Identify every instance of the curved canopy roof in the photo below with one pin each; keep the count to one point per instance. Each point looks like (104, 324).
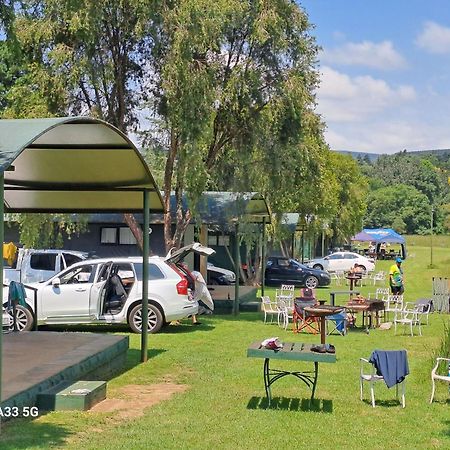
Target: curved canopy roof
(72, 164)
(379, 235)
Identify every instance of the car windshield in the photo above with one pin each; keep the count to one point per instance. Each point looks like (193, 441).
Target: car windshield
(296, 264)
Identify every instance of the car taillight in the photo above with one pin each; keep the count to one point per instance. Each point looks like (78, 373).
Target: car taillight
(182, 287)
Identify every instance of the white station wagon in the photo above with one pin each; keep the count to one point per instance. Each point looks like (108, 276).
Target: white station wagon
(109, 290)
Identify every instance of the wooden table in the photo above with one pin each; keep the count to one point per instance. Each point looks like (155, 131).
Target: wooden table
(293, 351)
(353, 279)
(368, 307)
(322, 311)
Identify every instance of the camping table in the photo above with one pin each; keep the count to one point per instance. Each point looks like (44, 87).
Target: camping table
(293, 351)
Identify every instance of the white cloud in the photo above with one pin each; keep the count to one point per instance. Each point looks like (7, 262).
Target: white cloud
(369, 54)
(434, 38)
(364, 113)
(342, 98)
(387, 136)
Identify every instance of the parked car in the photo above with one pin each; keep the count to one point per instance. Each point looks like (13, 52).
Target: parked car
(39, 265)
(281, 270)
(109, 290)
(219, 275)
(342, 261)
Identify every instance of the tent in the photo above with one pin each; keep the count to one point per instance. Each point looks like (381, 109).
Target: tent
(379, 235)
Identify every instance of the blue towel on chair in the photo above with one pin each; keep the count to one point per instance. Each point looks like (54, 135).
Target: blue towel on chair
(392, 365)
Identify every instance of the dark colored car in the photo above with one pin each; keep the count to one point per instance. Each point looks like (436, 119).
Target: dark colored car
(281, 270)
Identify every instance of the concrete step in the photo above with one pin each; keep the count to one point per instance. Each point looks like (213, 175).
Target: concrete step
(69, 395)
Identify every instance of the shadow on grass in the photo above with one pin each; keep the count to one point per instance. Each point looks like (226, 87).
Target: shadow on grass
(187, 328)
(386, 403)
(291, 404)
(23, 434)
(134, 357)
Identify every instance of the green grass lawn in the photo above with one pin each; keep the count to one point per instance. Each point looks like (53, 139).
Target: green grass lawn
(224, 406)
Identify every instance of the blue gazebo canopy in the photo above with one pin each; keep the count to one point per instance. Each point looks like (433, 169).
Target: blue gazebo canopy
(379, 235)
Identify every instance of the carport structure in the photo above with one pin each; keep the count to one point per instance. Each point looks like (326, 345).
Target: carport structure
(75, 165)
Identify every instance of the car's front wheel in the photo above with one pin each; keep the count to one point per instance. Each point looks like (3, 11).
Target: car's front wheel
(155, 319)
(318, 267)
(311, 282)
(24, 319)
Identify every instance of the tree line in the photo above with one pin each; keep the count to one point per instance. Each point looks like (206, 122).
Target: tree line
(408, 191)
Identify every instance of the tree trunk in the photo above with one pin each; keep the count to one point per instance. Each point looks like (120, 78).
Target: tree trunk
(135, 228)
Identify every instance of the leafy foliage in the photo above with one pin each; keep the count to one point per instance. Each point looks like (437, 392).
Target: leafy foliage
(45, 230)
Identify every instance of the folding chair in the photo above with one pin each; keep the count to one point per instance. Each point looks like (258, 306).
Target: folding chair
(300, 319)
(338, 322)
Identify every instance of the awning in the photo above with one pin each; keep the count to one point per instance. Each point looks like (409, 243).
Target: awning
(75, 164)
(379, 235)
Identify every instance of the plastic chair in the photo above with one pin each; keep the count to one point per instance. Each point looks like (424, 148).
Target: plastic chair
(269, 308)
(334, 276)
(424, 308)
(435, 376)
(379, 276)
(393, 371)
(286, 293)
(408, 316)
(393, 303)
(286, 313)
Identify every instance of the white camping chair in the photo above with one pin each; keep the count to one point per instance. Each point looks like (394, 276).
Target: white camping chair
(372, 377)
(269, 308)
(408, 316)
(435, 376)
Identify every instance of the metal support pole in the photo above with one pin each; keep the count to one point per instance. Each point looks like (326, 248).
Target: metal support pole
(431, 238)
(145, 274)
(2, 238)
(303, 245)
(237, 263)
(263, 257)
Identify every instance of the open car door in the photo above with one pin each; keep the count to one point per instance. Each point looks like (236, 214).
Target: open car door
(97, 297)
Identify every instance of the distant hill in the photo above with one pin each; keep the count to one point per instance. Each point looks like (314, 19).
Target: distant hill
(356, 155)
(374, 156)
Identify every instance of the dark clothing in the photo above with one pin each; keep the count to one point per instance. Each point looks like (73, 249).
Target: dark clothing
(397, 290)
(391, 365)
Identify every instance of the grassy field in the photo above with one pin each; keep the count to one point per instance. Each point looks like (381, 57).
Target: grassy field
(223, 405)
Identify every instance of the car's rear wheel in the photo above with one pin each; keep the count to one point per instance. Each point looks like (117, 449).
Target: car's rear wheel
(311, 282)
(318, 267)
(24, 319)
(155, 319)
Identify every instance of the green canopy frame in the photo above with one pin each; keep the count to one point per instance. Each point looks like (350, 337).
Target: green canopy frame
(75, 165)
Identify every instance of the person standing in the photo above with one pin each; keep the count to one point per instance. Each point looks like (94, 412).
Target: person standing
(202, 294)
(396, 280)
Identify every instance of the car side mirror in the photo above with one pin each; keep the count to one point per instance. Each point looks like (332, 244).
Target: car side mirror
(56, 282)
(326, 257)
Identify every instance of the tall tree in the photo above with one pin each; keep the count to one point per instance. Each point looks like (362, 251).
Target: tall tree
(234, 83)
(85, 57)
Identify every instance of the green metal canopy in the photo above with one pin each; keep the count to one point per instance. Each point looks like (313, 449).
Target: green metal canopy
(75, 164)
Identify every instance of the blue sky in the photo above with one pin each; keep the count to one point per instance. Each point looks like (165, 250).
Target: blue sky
(385, 73)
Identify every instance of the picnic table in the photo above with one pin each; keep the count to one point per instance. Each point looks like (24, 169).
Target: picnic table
(293, 351)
